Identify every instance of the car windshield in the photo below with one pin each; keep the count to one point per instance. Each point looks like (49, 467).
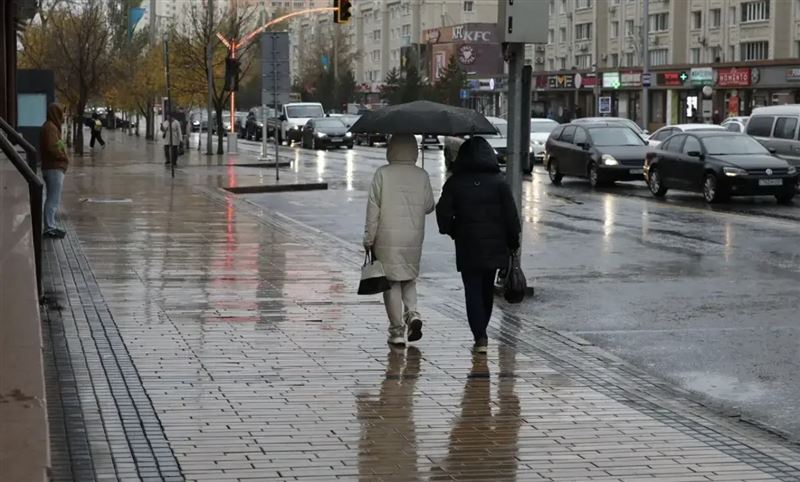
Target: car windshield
(329, 124)
(543, 127)
(305, 111)
(502, 129)
(615, 136)
(730, 145)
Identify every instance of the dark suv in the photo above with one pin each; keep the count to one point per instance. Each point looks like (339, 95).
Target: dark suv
(253, 124)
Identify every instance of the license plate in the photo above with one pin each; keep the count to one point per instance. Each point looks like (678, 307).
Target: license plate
(770, 182)
(336, 140)
(637, 171)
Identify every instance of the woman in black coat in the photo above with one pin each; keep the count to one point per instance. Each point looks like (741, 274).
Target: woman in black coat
(478, 211)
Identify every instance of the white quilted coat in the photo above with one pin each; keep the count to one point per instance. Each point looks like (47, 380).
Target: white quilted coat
(399, 199)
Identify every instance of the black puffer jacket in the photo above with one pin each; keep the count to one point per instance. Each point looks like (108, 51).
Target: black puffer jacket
(477, 209)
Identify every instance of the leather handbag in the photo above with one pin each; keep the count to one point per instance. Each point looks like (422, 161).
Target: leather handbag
(515, 283)
(373, 278)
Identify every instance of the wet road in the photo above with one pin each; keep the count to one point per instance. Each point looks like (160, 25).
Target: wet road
(704, 297)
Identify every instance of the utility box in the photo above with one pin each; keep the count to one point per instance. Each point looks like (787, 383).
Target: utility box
(523, 21)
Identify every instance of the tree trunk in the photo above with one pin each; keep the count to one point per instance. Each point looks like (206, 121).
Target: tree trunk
(149, 129)
(220, 132)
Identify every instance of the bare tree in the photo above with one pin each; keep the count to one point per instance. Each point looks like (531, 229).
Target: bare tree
(191, 62)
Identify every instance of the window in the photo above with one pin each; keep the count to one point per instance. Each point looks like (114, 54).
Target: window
(406, 30)
(376, 35)
(568, 134)
(583, 61)
(662, 134)
(562, 63)
(468, 5)
(629, 59)
(614, 30)
(755, 11)
(550, 35)
(579, 4)
(658, 56)
(785, 127)
(580, 136)
(694, 56)
(583, 31)
(675, 144)
(731, 53)
(697, 20)
(614, 60)
(551, 64)
(733, 16)
(552, 8)
(754, 50)
(376, 55)
(716, 54)
(562, 7)
(691, 145)
(659, 22)
(760, 126)
(716, 17)
(562, 34)
(629, 28)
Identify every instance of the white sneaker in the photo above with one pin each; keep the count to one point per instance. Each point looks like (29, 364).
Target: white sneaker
(397, 340)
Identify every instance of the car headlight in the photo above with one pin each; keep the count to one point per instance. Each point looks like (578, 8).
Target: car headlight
(792, 171)
(609, 160)
(321, 135)
(495, 151)
(260, 124)
(292, 128)
(348, 134)
(537, 143)
(734, 171)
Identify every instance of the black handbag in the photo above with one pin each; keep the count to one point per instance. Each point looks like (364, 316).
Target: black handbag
(373, 278)
(515, 283)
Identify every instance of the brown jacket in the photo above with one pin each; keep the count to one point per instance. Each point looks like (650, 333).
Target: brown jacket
(53, 151)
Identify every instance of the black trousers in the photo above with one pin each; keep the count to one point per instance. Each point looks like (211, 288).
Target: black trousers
(174, 151)
(479, 294)
(96, 136)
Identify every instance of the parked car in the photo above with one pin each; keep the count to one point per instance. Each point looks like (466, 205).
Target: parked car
(776, 127)
(254, 123)
(371, 139)
(293, 118)
(614, 120)
(430, 140)
(326, 132)
(720, 165)
(735, 124)
(600, 151)
(665, 132)
(540, 131)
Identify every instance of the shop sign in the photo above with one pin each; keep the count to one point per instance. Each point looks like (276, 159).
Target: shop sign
(589, 81)
(671, 79)
(733, 77)
(462, 33)
(466, 55)
(565, 81)
(630, 79)
(611, 80)
(604, 105)
(793, 75)
(702, 76)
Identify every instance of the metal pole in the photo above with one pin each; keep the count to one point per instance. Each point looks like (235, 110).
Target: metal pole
(210, 68)
(169, 105)
(232, 139)
(275, 99)
(646, 64)
(516, 61)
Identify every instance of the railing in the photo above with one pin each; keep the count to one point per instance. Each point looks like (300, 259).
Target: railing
(35, 186)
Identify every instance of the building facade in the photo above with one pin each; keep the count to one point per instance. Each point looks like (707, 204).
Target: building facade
(744, 50)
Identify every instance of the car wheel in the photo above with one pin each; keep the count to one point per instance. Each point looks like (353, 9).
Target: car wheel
(371, 142)
(349, 146)
(785, 198)
(552, 171)
(529, 168)
(594, 175)
(314, 145)
(712, 192)
(656, 184)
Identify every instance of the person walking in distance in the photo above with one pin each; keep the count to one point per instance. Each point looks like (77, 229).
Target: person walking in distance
(97, 131)
(54, 165)
(171, 140)
(478, 211)
(399, 199)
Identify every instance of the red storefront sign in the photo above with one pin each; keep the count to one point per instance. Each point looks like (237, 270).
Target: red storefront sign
(670, 79)
(733, 77)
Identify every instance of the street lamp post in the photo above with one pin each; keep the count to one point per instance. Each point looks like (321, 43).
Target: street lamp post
(169, 104)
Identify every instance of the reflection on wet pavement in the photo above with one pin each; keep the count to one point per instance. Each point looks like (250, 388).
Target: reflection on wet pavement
(262, 362)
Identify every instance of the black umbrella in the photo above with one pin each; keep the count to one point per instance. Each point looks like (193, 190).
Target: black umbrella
(424, 117)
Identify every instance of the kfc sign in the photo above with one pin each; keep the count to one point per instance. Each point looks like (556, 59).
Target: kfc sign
(733, 77)
(461, 33)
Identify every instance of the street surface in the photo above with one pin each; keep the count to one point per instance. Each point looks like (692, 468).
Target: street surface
(705, 297)
(193, 334)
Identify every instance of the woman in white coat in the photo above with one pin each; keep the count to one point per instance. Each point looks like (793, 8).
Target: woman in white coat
(399, 199)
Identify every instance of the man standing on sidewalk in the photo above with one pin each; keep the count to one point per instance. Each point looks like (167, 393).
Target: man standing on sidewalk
(173, 136)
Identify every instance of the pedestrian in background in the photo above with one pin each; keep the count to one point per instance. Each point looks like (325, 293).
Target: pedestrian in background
(477, 210)
(96, 128)
(399, 199)
(171, 140)
(54, 166)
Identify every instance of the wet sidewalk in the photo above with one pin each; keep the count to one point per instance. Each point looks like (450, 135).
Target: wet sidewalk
(193, 336)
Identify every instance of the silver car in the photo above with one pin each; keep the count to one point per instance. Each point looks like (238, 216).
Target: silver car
(778, 128)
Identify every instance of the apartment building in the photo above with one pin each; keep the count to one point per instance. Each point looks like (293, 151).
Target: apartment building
(744, 49)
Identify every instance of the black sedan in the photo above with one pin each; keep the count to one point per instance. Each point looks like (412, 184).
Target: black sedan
(720, 165)
(602, 152)
(254, 123)
(326, 132)
(371, 139)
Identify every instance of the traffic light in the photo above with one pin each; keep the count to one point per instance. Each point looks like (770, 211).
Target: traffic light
(342, 14)
(231, 74)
